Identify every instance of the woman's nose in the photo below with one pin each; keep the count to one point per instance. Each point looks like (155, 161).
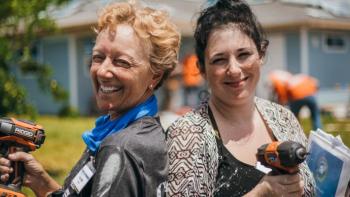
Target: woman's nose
(105, 69)
(234, 68)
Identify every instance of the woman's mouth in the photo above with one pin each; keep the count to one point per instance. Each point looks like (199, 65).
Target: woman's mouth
(109, 89)
(236, 84)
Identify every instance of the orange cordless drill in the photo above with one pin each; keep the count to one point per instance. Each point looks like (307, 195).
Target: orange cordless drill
(17, 135)
(282, 157)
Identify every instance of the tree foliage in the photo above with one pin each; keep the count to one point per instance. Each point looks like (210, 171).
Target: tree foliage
(22, 22)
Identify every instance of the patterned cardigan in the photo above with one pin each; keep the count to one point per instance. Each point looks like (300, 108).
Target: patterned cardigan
(193, 153)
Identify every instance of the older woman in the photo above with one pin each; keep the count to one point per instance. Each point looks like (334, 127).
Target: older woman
(212, 150)
(136, 49)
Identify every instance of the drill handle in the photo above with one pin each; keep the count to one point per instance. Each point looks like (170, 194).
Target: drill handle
(16, 177)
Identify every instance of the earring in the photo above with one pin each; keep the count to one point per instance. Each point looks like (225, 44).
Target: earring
(151, 86)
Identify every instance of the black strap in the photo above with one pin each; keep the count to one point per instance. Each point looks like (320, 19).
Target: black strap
(221, 157)
(215, 126)
(57, 193)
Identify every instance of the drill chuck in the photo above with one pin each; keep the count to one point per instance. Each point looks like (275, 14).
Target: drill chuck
(301, 154)
(291, 153)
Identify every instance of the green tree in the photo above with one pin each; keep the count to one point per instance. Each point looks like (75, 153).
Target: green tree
(22, 22)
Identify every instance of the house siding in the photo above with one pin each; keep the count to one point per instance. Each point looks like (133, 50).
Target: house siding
(293, 52)
(275, 59)
(331, 68)
(86, 103)
(52, 51)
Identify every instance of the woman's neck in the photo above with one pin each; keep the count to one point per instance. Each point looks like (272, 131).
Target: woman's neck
(236, 123)
(235, 114)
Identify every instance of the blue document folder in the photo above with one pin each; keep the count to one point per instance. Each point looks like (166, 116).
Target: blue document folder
(326, 169)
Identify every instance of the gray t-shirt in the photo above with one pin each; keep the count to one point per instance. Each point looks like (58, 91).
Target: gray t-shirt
(131, 162)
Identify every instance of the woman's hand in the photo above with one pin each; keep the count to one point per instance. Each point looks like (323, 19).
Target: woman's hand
(35, 177)
(5, 169)
(279, 185)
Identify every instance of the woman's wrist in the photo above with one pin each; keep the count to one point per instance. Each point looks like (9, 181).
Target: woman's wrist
(260, 190)
(45, 185)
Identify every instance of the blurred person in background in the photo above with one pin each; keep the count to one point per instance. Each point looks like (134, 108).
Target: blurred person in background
(278, 80)
(297, 91)
(212, 149)
(136, 49)
(192, 80)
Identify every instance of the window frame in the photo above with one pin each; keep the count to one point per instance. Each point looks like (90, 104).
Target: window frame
(326, 48)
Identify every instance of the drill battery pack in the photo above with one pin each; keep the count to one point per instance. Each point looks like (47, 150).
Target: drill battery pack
(6, 191)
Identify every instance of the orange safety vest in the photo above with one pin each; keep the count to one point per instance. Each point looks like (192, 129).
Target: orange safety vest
(301, 86)
(279, 79)
(191, 74)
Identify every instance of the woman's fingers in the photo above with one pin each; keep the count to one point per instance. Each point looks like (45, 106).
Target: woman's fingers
(4, 177)
(286, 185)
(295, 188)
(288, 179)
(5, 170)
(4, 162)
(20, 156)
(293, 184)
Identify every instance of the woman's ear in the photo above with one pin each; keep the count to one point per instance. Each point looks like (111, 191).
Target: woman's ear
(262, 60)
(155, 79)
(263, 50)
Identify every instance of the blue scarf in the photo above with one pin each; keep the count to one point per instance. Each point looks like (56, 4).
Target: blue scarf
(104, 127)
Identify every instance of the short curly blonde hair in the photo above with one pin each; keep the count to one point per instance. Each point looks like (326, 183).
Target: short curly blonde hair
(161, 36)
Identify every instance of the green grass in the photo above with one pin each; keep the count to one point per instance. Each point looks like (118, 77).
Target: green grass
(63, 145)
(332, 126)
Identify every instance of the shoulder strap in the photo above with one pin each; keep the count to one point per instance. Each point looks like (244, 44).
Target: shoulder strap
(215, 126)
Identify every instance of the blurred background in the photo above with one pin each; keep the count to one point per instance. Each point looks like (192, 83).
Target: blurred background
(45, 51)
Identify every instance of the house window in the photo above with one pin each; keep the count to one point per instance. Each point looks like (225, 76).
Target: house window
(335, 43)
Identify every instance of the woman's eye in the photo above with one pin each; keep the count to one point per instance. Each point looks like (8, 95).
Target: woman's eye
(219, 61)
(244, 55)
(122, 63)
(97, 58)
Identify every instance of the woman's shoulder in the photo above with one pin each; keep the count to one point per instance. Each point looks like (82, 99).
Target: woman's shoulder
(267, 104)
(142, 142)
(282, 122)
(195, 120)
(272, 110)
(145, 132)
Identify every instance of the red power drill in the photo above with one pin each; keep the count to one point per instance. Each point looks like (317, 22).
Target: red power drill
(17, 135)
(282, 157)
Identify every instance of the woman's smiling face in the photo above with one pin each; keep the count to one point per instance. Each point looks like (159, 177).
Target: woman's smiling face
(120, 70)
(232, 65)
